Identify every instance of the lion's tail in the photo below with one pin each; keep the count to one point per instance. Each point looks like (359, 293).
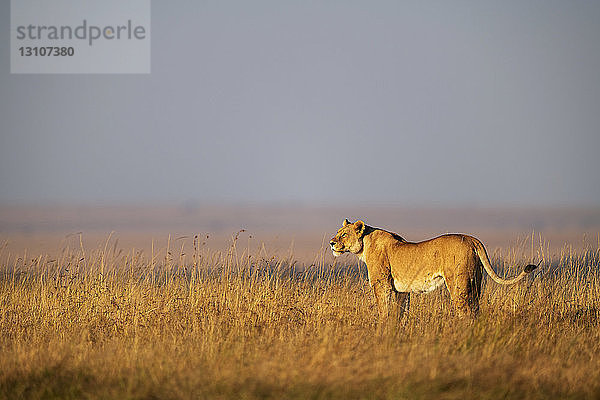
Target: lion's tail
(480, 249)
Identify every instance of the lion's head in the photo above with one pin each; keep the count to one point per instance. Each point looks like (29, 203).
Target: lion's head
(348, 238)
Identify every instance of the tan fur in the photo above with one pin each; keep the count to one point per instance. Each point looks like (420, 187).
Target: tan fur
(397, 267)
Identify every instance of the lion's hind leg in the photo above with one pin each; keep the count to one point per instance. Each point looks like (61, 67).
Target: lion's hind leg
(474, 290)
(465, 291)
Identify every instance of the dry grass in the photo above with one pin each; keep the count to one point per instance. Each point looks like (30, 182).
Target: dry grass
(108, 324)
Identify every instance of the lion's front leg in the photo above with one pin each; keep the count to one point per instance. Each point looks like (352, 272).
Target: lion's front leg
(384, 294)
(390, 303)
(401, 303)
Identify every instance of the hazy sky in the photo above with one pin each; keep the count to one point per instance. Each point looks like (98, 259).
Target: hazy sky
(461, 103)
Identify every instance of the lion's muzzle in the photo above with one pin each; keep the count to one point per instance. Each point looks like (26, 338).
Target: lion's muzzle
(336, 251)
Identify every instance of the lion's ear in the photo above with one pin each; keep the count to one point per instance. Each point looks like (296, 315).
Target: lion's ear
(346, 222)
(360, 227)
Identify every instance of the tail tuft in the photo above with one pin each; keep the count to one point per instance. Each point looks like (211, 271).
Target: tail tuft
(529, 268)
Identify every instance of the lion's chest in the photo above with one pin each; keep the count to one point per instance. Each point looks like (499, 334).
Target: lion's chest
(420, 285)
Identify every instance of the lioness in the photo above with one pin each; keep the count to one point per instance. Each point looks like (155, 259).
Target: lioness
(397, 267)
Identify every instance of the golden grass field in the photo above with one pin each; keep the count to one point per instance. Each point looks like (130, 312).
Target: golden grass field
(184, 321)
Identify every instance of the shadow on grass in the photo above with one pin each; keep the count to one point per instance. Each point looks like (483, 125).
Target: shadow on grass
(60, 383)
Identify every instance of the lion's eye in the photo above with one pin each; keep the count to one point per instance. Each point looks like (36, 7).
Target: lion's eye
(344, 235)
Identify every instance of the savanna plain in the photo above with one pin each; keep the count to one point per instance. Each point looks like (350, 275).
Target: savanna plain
(183, 320)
